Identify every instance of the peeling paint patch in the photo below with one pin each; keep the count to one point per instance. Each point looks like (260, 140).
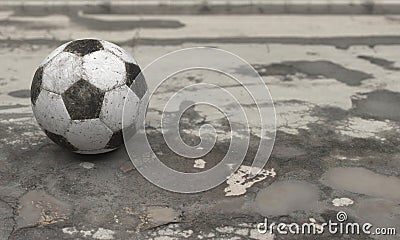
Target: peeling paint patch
(87, 233)
(240, 181)
(318, 227)
(293, 116)
(87, 165)
(362, 128)
(224, 232)
(254, 234)
(83, 233)
(103, 234)
(344, 158)
(199, 163)
(70, 230)
(225, 229)
(342, 202)
(172, 231)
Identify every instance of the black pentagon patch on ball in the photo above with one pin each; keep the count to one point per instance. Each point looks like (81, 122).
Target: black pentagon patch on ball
(83, 100)
(36, 84)
(84, 46)
(60, 140)
(116, 140)
(139, 86)
(132, 71)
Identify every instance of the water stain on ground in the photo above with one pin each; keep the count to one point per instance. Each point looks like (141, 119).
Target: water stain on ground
(282, 198)
(338, 42)
(24, 93)
(362, 181)
(230, 205)
(379, 212)
(9, 116)
(103, 25)
(379, 104)
(91, 22)
(314, 70)
(386, 64)
(29, 24)
(329, 113)
(288, 152)
(154, 216)
(5, 107)
(39, 208)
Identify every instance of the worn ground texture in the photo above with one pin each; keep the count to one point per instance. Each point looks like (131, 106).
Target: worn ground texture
(335, 84)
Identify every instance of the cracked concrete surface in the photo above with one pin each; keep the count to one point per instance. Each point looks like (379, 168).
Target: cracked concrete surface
(336, 91)
(7, 220)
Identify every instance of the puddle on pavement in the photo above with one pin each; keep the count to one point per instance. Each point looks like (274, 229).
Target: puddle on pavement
(362, 181)
(379, 212)
(281, 198)
(154, 216)
(39, 208)
(315, 70)
(89, 21)
(104, 25)
(287, 152)
(25, 93)
(386, 64)
(379, 104)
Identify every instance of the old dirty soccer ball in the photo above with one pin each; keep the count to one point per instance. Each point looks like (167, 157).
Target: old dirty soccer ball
(79, 91)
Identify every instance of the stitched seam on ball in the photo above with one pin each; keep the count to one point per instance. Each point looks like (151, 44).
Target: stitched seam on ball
(48, 90)
(105, 124)
(105, 49)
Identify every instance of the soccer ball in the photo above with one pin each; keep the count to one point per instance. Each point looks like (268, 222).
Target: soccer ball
(78, 95)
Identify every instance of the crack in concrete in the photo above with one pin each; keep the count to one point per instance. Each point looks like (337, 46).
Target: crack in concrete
(14, 213)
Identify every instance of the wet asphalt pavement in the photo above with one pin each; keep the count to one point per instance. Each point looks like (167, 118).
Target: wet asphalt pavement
(335, 85)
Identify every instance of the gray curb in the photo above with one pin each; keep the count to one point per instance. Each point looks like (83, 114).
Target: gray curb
(205, 7)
